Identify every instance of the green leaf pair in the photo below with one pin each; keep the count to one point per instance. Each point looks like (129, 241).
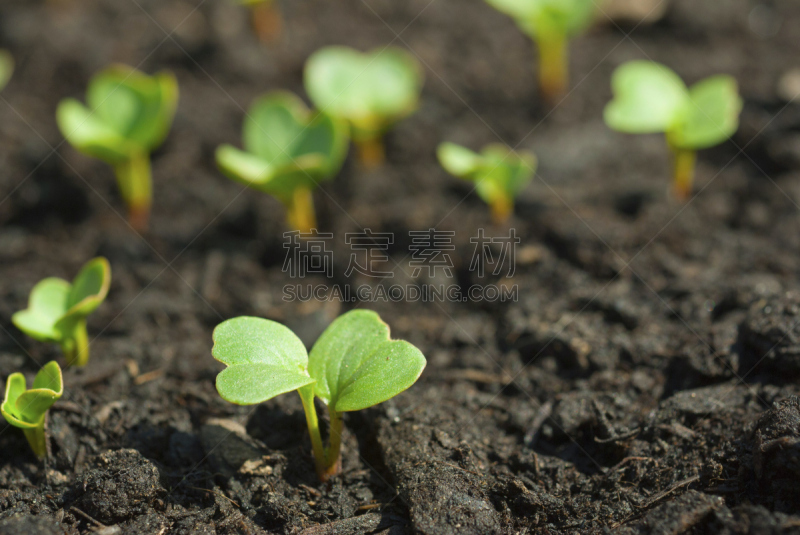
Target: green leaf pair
(651, 98)
(551, 23)
(288, 151)
(371, 91)
(6, 67)
(57, 310)
(128, 115)
(26, 409)
(498, 172)
(353, 365)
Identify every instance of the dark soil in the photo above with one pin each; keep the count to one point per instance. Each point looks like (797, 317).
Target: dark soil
(645, 381)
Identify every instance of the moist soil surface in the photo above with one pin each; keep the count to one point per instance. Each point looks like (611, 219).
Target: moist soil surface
(644, 381)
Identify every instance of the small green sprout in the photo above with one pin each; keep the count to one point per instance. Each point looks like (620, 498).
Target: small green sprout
(57, 310)
(288, 151)
(551, 24)
(498, 172)
(128, 116)
(371, 91)
(353, 365)
(265, 17)
(651, 98)
(6, 67)
(27, 409)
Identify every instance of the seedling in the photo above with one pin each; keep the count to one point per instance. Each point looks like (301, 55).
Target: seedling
(265, 18)
(27, 409)
(498, 172)
(353, 365)
(129, 114)
(371, 91)
(551, 24)
(288, 151)
(650, 98)
(57, 310)
(6, 67)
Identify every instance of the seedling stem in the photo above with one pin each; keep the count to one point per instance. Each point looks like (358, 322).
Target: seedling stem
(36, 438)
(267, 21)
(501, 208)
(553, 67)
(371, 152)
(300, 210)
(684, 164)
(136, 186)
(76, 349)
(327, 461)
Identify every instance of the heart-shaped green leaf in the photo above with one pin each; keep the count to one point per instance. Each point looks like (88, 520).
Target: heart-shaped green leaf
(286, 147)
(55, 306)
(648, 98)
(712, 115)
(549, 18)
(26, 408)
(371, 91)
(264, 359)
(6, 67)
(128, 113)
(357, 366)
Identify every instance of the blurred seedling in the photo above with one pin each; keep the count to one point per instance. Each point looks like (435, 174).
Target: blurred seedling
(651, 98)
(265, 18)
(371, 91)
(27, 409)
(551, 24)
(6, 67)
(353, 365)
(57, 310)
(128, 115)
(288, 151)
(498, 172)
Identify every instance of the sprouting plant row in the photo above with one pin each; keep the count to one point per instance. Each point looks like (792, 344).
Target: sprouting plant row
(288, 151)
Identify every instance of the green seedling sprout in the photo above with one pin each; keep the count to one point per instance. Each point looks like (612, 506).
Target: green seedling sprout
(6, 67)
(57, 310)
(128, 115)
(651, 98)
(27, 409)
(551, 24)
(498, 172)
(370, 91)
(265, 17)
(288, 151)
(353, 365)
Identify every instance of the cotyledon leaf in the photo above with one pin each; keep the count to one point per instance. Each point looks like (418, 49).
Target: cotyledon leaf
(357, 366)
(264, 359)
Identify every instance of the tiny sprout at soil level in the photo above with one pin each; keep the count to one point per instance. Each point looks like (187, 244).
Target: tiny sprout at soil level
(27, 409)
(551, 24)
(651, 98)
(353, 365)
(57, 310)
(498, 172)
(371, 91)
(128, 116)
(6, 68)
(288, 151)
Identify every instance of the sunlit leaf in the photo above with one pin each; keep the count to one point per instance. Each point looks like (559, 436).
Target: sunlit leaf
(357, 365)
(648, 98)
(264, 359)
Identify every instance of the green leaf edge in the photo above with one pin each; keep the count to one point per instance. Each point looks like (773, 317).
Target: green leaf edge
(19, 377)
